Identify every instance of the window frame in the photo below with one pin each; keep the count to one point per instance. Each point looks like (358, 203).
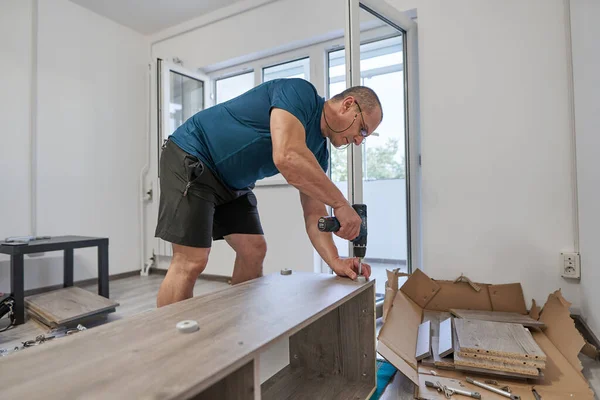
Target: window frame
(214, 80)
(286, 62)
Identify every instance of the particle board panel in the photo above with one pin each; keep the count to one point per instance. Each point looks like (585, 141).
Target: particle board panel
(62, 306)
(341, 342)
(507, 360)
(508, 317)
(423, 341)
(440, 362)
(496, 338)
(297, 383)
(446, 344)
(236, 324)
(460, 361)
(238, 385)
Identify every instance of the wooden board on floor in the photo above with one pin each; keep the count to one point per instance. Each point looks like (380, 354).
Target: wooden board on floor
(424, 341)
(508, 317)
(440, 362)
(496, 338)
(62, 306)
(236, 324)
(460, 361)
(508, 360)
(446, 346)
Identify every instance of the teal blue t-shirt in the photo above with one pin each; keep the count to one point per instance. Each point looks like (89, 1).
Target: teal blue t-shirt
(233, 138)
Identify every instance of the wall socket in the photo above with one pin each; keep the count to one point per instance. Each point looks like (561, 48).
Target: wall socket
(570, 267)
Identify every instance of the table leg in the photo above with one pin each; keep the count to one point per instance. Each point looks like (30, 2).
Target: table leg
(68, 268)
(17, 287)
(103, 270)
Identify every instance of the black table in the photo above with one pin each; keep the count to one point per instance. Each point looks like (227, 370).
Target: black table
(57, 243)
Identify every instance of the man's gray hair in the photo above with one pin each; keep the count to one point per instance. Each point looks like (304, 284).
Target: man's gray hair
(366, 97)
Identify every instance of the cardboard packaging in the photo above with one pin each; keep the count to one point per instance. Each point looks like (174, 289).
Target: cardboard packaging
(560, 340)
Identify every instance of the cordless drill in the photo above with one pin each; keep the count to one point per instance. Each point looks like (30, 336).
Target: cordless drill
(331, 224)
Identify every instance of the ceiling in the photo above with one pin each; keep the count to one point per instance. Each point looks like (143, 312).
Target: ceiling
(151, 16)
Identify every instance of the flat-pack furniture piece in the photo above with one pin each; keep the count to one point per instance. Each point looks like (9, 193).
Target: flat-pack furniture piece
(328, 320)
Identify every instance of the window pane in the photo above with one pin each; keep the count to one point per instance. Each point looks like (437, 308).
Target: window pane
(229, 88)
(292, 69)
(187, 98)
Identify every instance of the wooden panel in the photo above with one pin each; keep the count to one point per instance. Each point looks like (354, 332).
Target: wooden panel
(496, 338)
(144, 355)
(493, 365)
(423, 341)
(238, 385)
(446, 344)
(341, 342)
(512, 318)
(508, 360)
(296, 383)
(440, 362)
(69, 304)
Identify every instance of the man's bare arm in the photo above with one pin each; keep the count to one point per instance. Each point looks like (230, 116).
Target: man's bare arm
(296, 162)
(321, 241)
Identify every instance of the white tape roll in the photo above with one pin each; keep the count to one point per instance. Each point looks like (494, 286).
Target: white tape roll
(187, 326)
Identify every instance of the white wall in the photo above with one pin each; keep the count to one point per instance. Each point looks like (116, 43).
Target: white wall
(585, 28)
(497, 198)
(15, 41)
(92, 113)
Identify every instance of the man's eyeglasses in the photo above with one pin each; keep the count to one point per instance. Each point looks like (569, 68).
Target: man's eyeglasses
(363, 131)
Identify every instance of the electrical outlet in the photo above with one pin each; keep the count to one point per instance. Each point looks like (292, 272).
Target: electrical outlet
(570, 265)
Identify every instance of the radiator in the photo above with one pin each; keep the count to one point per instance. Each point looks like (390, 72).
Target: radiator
(164, 248)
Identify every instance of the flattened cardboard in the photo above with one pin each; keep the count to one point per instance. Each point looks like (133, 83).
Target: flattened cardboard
(391, 288)
(460, 295)
(561, 380)
(535, 310)
(405, 368)
(559, 375)
(420, 288)
(508, 298)
(560, 328)
(399, 333)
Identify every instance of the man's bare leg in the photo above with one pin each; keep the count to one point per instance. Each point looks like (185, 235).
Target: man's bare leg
(250, 253)
(187, 263)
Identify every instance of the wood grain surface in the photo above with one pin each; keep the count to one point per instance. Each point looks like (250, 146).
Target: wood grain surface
(298, 384)
(512, 318)
(341, 342)
(62, 306)
(238, 385)
(440, 362)
(145, 357)
(496, 338)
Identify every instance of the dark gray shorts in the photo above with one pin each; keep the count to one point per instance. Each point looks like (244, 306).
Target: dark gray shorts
(195, 207)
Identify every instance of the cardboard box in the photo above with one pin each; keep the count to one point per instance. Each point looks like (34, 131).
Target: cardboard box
(560, 340)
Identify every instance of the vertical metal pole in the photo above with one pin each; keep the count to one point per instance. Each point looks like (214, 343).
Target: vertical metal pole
(352, 50)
